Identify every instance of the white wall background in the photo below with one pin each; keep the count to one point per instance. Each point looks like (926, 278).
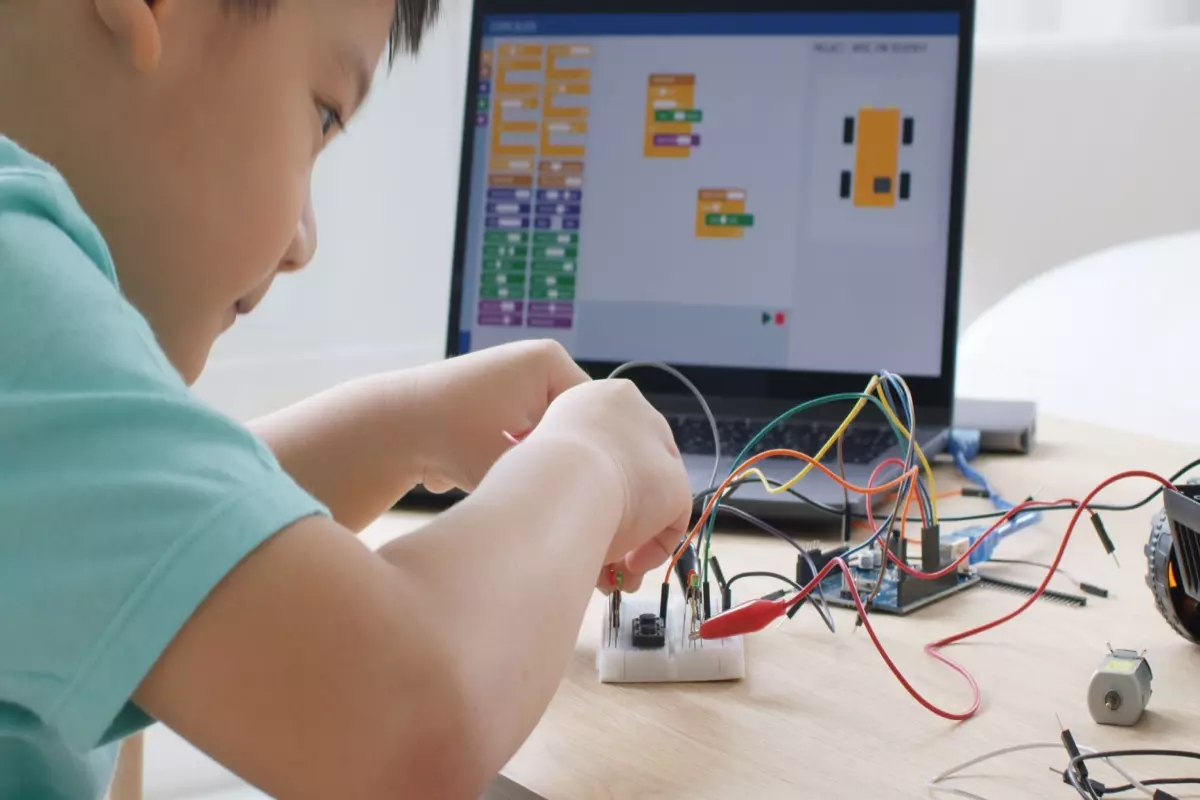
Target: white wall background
(385, 196)
(1079, 16)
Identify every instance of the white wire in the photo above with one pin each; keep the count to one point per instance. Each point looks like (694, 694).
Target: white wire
(691, 387)
(953, 772)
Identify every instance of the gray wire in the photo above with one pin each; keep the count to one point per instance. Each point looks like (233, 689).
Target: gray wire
(691, 387)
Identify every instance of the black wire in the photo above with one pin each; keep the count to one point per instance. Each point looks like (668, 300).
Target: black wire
(822, 607)
(773, 575)
(1087, 792)
(1129, 787)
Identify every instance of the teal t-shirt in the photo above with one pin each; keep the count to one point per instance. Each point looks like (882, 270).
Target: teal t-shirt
(123, 499)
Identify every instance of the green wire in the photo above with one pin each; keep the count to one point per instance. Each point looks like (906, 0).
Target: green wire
(782, 418)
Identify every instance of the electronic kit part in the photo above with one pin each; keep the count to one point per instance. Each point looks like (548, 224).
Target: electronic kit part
(678, 658)
(663, 601)
(1120, 688)
(648, 632)
(1173, 561)
(1049, 595)
(899, 594)
(687, 566)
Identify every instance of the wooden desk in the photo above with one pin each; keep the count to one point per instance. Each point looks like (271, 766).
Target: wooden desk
(820, 715)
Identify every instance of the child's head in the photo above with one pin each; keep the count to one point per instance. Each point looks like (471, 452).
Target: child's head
(189, 128)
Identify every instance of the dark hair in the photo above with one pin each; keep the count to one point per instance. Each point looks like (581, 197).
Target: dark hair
(412, 19)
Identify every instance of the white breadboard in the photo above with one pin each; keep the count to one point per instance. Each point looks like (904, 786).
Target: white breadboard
(681, 661)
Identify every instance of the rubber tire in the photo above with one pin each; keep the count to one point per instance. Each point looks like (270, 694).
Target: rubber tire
(1159, 554)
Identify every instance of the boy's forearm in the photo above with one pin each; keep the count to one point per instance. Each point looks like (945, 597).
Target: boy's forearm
(506, 576)
(352, 447)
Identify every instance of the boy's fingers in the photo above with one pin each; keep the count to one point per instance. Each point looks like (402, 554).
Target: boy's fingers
(648, 556)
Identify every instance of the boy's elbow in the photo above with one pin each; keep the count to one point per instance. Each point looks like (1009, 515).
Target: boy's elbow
(445, 752)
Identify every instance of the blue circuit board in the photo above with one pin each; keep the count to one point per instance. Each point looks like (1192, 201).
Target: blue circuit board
(888, 600)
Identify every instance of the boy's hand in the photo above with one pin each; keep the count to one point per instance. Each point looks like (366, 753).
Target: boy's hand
(468, 403)
(641, 468)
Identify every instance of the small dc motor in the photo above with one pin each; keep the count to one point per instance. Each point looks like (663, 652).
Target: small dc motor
(1120, 688)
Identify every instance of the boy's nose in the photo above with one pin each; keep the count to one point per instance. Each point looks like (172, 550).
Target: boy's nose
(304, 243)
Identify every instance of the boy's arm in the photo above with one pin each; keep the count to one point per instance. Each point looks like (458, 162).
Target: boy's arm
(318, 669)
(352, 447)
(361, 446)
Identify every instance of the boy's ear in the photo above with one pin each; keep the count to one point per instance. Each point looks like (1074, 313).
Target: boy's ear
(135, 26)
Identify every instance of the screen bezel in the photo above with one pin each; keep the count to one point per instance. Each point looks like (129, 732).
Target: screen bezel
(731, 387)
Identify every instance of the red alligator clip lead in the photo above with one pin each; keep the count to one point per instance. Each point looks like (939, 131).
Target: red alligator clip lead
(749, 617)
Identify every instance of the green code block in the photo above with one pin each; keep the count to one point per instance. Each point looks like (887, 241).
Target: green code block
(551, 293)
(729, 220)
(502, 292)
(556, 238)
(679, 115)
(555, 251)
(553, 266)
(495, 251)
(506, 237)
(504, 265)
(503, 278)
(559, 281)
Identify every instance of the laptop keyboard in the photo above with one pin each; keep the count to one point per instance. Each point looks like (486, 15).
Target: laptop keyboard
(862, 444)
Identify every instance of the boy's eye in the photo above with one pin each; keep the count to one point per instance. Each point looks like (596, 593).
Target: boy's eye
(330, 118)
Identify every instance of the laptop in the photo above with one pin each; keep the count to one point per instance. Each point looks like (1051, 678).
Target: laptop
(767, 196)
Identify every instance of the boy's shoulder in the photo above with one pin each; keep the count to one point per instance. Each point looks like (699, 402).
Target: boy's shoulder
(32, 194)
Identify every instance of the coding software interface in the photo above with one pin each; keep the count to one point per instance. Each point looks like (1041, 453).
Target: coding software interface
(766, 191)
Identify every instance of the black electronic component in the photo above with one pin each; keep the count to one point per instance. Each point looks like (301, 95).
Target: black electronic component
(726, 594)
(648, 632)
(1093, 590)
(909, 590)
(1049, 595)
(707, 602)
(1102, 532)
(975, 491)
(931, 548)
(687, 565)
(819, 559)
(662, 602)
(1171, 553)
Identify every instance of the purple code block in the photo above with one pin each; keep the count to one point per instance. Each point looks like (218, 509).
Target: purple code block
(510, 207)
(550, 322)
(559, 209)
(552, 309)
(542, 223)
(570, 223)
(500, 320)
(494, 307)
(481, 120)
(506, 223)
(676, 140)
(559, 195)
(503, 193)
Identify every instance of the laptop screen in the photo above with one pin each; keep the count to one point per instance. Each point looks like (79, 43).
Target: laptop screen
(749, 190)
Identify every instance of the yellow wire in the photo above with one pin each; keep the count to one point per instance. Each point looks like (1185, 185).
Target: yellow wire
(837, 434)
(873, 386)
(887, 408)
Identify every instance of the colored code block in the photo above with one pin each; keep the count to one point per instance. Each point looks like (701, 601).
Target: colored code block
(504, 237)
(667, 96)
(499, 251)
(542, 292)
(556, 238)
(721, 214)
(504, 292)
(553, 267)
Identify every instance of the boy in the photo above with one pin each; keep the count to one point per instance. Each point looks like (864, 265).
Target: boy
(160, 562)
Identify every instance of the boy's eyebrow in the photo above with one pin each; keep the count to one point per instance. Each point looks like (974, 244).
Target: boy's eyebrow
(353, 63)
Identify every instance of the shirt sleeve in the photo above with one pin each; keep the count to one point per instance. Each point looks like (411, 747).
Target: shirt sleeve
(123, 499)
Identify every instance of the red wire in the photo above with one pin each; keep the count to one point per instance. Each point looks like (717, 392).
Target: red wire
(891, 462)
(933, 647)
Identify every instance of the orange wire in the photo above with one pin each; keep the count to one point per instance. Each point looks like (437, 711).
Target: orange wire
(741, 468)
